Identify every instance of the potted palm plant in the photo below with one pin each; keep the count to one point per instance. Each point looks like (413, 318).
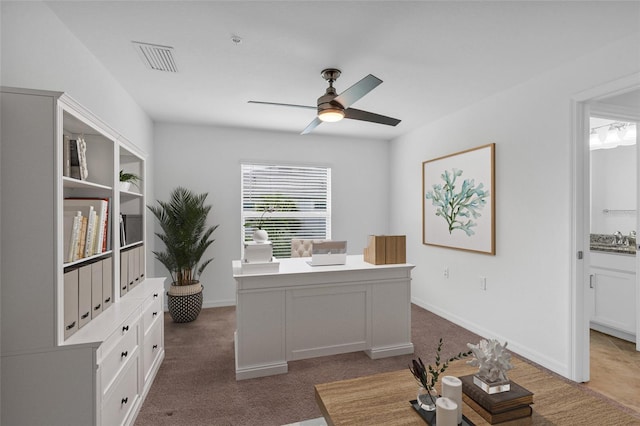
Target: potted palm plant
(186, 237)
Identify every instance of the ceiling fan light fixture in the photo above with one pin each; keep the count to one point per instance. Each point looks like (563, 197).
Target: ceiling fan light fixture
(331, 115)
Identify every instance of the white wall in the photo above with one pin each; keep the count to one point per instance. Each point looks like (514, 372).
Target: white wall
(527, 302)
(207, 159)
(39, 52)
(613, 187)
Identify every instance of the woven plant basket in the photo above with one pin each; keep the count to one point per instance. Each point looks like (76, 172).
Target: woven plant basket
(185, 302)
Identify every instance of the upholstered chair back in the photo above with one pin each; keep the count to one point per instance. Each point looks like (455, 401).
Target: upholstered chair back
(302, 248)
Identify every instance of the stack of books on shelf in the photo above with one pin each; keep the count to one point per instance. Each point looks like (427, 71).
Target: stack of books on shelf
(86, 227)
(498, 407)
(74, 156)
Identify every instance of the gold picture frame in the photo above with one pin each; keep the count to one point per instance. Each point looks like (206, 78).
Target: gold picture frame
(458, 200)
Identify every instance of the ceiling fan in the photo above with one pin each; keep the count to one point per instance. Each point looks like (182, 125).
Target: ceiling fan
(333, 107)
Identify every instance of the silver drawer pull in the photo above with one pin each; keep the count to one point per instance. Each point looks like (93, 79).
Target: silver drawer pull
(124, 354)
(124, 401)
(70, 326)
(85, 315)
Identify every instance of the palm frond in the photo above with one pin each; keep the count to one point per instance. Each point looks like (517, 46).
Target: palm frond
(183, 220)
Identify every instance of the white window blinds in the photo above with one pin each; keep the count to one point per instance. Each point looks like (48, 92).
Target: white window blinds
(287, 202)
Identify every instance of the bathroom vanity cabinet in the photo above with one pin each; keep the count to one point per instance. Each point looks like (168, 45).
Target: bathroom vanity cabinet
(612, 284)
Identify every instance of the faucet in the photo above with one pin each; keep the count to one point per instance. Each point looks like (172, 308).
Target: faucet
(617, 238)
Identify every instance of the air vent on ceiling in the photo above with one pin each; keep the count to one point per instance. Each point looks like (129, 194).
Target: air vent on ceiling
(156, 57)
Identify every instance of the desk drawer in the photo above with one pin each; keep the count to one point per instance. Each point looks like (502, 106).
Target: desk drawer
(123, 396)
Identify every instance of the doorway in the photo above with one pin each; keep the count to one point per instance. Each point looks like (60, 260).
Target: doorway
(618, 99)
(610, 301)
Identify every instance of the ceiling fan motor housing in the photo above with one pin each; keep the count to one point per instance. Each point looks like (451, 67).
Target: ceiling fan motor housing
(326, 102)
(328, 110)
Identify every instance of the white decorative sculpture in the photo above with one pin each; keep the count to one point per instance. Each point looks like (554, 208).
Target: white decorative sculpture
(493, 361)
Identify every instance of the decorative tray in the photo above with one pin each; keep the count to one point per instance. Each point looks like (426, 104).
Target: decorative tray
(430, 416)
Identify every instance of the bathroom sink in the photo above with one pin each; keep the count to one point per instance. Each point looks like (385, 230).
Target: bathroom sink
(607, 243)
(612, 248)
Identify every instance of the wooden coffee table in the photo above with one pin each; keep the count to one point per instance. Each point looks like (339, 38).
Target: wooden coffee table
(383, 399)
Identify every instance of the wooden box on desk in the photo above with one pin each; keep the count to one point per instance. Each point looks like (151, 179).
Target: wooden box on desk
(386, 249)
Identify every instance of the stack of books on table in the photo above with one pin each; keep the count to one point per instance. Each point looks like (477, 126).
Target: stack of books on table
(498, 407)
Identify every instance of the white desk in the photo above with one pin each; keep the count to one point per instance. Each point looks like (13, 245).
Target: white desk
(306, 311)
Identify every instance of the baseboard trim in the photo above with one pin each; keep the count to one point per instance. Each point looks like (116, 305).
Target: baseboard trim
(388, 351)
(296, 355)
(515, 347)
(218, 303)
(629, 337)
(243, 373)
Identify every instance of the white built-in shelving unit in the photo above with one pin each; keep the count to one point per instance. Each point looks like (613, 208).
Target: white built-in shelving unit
(82, 338)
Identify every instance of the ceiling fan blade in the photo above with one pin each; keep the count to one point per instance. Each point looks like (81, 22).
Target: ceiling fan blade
(357, 114)
(311, 126)
(279, 104)
(358, 90)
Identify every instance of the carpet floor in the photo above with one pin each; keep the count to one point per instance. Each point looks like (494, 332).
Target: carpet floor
(196, 382)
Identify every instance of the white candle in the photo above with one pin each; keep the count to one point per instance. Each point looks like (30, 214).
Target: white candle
(446, 412)
(452, 389)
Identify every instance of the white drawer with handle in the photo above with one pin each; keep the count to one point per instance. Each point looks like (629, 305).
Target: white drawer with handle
(123, 396)
(152, 310)
(124, 345)
(153, 345)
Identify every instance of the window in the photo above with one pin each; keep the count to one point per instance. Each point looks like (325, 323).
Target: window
(288, 202)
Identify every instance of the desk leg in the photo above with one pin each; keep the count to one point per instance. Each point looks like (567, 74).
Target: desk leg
(391, 319)
(260, 334)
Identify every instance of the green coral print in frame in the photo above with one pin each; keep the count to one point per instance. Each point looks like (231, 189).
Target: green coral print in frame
(458, 200)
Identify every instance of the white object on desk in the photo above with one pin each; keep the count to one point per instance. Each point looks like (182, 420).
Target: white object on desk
(446, 412)
(452, 389)
(257, 252)
(270, 267)
(328, 253)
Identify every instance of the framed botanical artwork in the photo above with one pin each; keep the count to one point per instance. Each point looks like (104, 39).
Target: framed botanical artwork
(458, 200)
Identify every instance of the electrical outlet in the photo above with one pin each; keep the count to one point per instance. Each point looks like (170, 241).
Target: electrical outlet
(483, 283)
(446, 272)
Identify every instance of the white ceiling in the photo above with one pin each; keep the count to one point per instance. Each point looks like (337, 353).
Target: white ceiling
(434, 57)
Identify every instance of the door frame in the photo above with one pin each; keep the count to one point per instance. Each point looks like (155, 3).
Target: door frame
(582, 105)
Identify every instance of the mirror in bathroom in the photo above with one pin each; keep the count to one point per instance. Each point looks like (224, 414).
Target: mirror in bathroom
(613, 177)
